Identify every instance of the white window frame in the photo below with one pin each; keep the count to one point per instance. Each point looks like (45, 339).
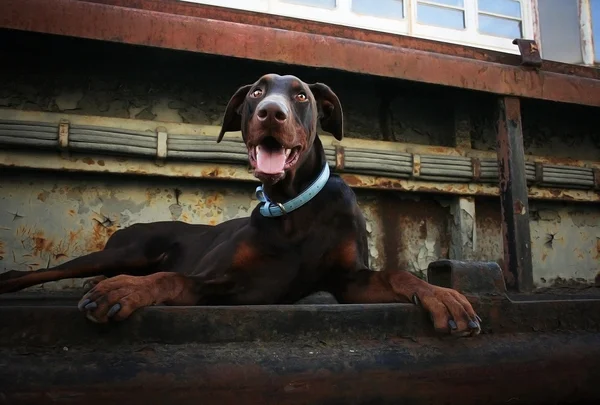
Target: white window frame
(342, 14)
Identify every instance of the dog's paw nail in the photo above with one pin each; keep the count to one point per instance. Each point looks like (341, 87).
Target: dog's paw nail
(115, 308)
(83, 303)
(452, 324)
(478, 319)
(91, 305)
(91, 317)
(416, 300)
(473, 325)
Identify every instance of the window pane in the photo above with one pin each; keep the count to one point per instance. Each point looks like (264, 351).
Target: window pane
(314, 3)
(457, 3)
(440, 16)
(500, 27)
(595, 6)
(380, 8)
(559, 28)
(509, 8)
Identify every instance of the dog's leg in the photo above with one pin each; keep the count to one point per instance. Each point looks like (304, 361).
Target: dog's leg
(450, 311)
(108, 262)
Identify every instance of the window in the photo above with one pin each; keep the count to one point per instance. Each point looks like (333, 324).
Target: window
(570, 30)
(595, 16)
(491, 24)
(559, 30)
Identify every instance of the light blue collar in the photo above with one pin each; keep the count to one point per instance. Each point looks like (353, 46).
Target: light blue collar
(272, 209)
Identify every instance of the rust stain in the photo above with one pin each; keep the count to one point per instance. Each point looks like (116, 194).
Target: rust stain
(42, 196)
(212, 172)
(88, 161)
(72, 213)
(101, 162)
(214, 200)
(74, 236)
(99, 237)
(41, 244)
(520, 207)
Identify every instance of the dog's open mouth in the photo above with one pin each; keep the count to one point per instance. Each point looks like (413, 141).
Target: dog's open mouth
(270, 157)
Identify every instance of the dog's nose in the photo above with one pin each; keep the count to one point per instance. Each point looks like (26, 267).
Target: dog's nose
(272, 110)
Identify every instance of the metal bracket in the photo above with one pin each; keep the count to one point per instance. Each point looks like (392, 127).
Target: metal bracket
(530, 52)
(416, 165)
(467, 277)
(161, 145)
(340, 157)
(63, 137)
(476, 165)
(539, 172)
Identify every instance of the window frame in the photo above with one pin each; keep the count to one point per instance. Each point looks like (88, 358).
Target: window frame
(343, 15)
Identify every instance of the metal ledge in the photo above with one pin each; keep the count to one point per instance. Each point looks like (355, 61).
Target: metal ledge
(143, 26)
(529, 353)
(318, 354)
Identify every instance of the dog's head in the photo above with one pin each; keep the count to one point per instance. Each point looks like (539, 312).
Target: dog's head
(278, 119)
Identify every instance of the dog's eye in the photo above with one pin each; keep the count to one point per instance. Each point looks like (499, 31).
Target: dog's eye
(256, 93)
(301, 97)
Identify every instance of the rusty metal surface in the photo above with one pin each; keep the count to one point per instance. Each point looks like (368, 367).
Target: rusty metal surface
(514, 195)
(467, 277)
(565, 243)
(143, 27)
(292, 24)
(530, 52)
(351, 354)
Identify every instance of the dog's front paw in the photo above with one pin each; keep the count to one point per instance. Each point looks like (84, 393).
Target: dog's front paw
(450, 311)
(116, 298)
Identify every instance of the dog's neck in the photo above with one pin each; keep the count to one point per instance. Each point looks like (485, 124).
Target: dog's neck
(299, 179)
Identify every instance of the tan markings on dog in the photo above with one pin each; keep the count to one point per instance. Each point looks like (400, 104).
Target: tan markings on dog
(244, 255)
(347, 254)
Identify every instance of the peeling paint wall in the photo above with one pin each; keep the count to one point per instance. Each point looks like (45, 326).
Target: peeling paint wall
(565, 240)
(47, 219)
(565, 243)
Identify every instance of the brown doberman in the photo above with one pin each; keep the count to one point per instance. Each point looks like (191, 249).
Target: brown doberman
(307, 235)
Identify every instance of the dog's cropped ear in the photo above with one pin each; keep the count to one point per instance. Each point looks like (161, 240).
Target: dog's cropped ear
(330, 110)
(232, 121)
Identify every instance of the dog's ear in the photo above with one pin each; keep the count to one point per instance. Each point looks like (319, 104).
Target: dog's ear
(330, 110)
(232, 121)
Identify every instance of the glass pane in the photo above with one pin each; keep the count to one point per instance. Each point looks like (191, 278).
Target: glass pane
(440, 16)
(500, 27)
(313, 3)
(456, 3)
(509, 8)
(559, 28)
(595, 6)
(381, 8)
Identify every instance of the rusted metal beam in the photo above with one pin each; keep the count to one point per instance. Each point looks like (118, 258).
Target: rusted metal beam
(150, 28)
(299, 354)
(17, 160)
(316, 27)
(514, 195)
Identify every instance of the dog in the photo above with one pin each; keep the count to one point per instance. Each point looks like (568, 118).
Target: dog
(307, 234)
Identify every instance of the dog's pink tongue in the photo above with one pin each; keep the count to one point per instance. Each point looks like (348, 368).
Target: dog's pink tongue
(270, 161)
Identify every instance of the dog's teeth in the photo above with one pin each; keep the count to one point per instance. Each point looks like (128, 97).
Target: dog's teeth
(287, 152)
